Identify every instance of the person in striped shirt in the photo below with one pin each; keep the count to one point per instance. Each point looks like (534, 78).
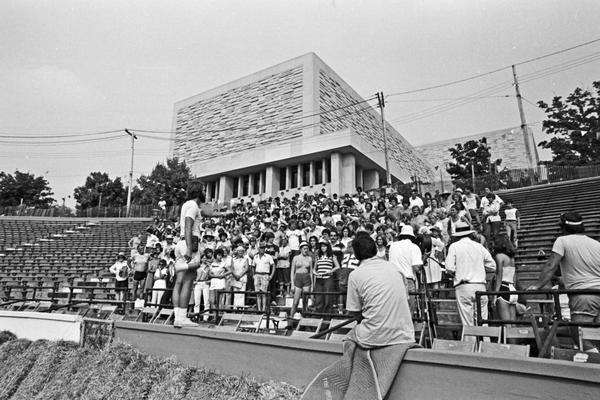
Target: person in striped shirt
(325, 265)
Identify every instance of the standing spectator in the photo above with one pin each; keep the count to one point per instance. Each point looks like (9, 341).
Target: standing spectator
(415, 200)
(506, 303)
(264, 269)
(202, 283)
(512, 222)
(301, 275)
(325, 266)
(433, 254)
(219, 273)
(349, 263)
(160, 275)
(134, 244)
(407, 258)
(282, 274)
(468, 261)
(471, 202)
(578, 257)
(140, 266)
(121, 271)
(153, 262)
(239, 276)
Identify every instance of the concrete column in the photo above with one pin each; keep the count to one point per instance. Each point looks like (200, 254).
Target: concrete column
(240, 186)
(371, 179)
(261, 181)
(250, 184)
(271, 181)
(325, 177)
(359, 176)
(209, 192)
(288, 177)
(335, 173)
(225, 188)
(299, 176)
(311, 178)
(348, 174)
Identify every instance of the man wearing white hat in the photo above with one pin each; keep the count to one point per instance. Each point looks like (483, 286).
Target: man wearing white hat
(407, 257)
(468, 260)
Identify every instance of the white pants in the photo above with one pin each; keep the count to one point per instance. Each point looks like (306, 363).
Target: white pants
(239, 300)
(467, 307)
(157, 294)
(201, 290)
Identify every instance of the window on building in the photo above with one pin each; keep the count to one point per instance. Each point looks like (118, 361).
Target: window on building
(327, 167)
(245, 185)
(213, 190)
(282, 178)
(318, 172)
(236, 186)
(294, 176)
(256, 183)
(305, 174)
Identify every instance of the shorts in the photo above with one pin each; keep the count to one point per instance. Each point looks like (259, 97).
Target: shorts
(302, 280)
(506, 288)
(585, 304)
(121, 285)
(261, 282)
(139, 275)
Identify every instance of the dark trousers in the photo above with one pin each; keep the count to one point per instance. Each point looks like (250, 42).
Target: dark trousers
(324, 302)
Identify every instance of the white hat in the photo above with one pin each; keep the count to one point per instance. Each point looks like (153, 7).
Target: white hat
(462, 229)
(459, 190)
(407, 230)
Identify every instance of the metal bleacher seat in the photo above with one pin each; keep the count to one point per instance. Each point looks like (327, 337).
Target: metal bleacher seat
(250, 323)
(339, 334)
(164, 316)
(453, 345)
(147, 314)
(229, 321)
(557, 353)
(588, 334)
(479, 332)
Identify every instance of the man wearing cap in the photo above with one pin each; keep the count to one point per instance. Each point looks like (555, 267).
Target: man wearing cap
(468, 261)
(121, 271)
(578, 257)
(263, 273)
(301, 275)
(408, 259)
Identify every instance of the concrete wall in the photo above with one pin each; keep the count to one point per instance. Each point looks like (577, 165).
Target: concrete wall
(36, 325)
(424, 374)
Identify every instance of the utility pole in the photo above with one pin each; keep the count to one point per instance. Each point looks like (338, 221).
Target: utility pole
(133, 139)
(523, 122)
(381, 105)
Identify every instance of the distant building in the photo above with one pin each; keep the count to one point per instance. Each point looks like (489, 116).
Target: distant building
(516, 149)
(294, 127)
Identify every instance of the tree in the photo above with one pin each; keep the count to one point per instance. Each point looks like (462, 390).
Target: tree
(24, 187)
(100, 190)
(575, 127)
(166, 182)
(476, 153)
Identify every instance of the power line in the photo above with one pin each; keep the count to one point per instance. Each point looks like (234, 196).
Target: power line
(59, 142)
(26, 136)
(494, 70)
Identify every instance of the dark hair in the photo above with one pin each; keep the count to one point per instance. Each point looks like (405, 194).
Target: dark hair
(504, 246)
(571, 222)
(364, 246)
(328, 252)
(383, 239)
(219, 251)
(195, 190)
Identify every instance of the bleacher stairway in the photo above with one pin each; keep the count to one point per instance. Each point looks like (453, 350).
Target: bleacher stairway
(540, 208)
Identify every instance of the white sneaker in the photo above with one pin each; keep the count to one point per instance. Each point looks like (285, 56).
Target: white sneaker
(185, 323)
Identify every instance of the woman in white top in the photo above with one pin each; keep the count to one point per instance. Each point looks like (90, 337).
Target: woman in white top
(239, 276)
(219, 272)
(506, 303)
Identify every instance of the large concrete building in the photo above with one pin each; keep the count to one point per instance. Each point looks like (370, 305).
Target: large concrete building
(293, 127)
(513, 146)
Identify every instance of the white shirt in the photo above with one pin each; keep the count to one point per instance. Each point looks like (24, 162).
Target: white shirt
(263, 264)
(469, 261)
(404, 254)
(190, 209)
(415, 202)
(378, 292)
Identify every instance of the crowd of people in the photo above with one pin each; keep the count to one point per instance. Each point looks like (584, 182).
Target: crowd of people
(289, 246)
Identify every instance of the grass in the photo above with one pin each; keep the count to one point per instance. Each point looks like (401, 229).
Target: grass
(63, 370)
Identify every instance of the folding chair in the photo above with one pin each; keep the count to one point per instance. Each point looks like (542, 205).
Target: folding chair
(147, 314)
(504, 350)
(250, 323)
(557, 353)
(307, 327)
(481, 332)
(163, 316)
(229, 321)
(453, 345)
(339, 334)
(586, 334)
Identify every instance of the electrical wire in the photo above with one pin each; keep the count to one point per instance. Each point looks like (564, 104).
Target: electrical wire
(25, 136)
(455, 82)
(59, 142)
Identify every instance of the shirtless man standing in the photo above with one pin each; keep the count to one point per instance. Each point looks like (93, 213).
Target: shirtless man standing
(301, 274)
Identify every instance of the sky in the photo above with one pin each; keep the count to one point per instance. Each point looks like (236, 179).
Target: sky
(82, 67)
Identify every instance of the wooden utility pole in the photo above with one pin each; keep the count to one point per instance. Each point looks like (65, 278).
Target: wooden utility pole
(523, 123)
(381, 101)
(133, 139)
